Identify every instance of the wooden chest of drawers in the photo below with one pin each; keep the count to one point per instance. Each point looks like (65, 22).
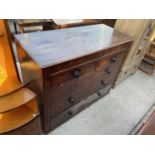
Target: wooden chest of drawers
(71, 68)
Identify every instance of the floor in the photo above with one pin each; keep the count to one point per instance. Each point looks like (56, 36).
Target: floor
(116, 114)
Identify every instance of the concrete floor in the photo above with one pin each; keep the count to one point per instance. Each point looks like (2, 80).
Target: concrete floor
(116, 114)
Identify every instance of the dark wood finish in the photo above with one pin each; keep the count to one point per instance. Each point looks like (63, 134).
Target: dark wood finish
(47, 24)
(15, 26)
(67, 66)
(68, 23)
(69, 44)
(148, 128)
(76, 89)
(109, 22)
(88, 68)
(69, 113)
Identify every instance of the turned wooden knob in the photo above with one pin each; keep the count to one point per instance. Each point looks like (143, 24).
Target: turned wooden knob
(71, 100)
(70, 112)
(103, 83)
(108, 71)
(114, 59)
(99, 94)
(76, 73)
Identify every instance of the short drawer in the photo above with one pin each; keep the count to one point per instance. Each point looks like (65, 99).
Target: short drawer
(113, 69)
(77, 72)
(69, 113)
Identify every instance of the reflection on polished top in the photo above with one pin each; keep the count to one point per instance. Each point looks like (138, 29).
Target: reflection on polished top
(56, 46)
(67, 21)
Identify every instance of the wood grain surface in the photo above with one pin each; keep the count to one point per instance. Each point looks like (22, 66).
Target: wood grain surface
(56, 46)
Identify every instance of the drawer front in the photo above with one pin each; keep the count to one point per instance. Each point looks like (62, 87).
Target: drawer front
(69, 113)
(77, 72)
(72, 92)
(113, 69)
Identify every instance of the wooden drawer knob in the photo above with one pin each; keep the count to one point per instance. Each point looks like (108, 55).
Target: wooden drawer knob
(103, 83)
(71, 100)
(76, 73)
(99, 94)
(70, 113)
(108, 71)
(114, 59)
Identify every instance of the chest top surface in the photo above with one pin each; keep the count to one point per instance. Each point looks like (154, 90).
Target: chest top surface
(53, 47)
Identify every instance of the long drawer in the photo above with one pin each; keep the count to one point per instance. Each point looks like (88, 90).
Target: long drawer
(69, 113)
(73, 91)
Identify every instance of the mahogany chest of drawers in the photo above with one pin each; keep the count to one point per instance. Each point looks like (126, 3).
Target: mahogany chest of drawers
(71, 68)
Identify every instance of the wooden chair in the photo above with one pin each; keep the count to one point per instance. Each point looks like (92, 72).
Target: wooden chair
(31, 24)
